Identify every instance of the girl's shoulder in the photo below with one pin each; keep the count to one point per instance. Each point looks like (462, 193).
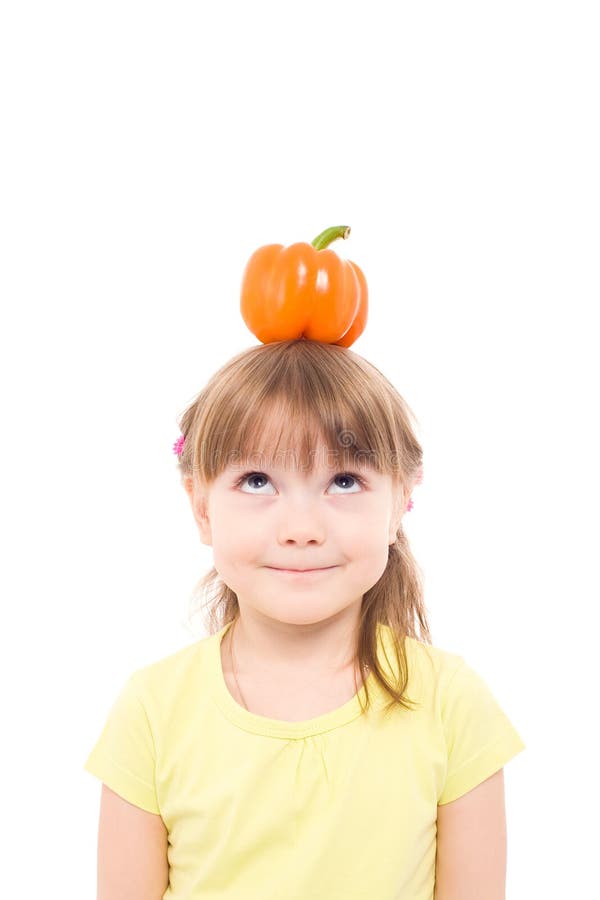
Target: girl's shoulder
(442, 660)
(422, 654)
(172, 670)
(429, 669)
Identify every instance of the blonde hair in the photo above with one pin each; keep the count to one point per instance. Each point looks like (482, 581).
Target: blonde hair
(316, 391)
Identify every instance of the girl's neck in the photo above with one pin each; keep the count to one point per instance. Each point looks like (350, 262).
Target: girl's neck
(287, 668)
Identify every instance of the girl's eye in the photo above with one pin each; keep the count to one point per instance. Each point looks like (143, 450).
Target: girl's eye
(254, 477)
(349, 476)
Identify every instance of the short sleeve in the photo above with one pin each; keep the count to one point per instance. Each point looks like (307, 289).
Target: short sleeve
(124, 755)
(480, 738)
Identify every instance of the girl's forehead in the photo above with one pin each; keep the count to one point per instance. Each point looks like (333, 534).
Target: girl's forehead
(283, 443)
(277, 442)
(291, 459)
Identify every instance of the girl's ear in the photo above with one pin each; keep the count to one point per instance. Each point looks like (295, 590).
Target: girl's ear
(397, 513)
(199, 503)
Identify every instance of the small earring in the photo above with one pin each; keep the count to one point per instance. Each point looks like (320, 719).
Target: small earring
(409, 505)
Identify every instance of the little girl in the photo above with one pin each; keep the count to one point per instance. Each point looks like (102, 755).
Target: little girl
(315, 746)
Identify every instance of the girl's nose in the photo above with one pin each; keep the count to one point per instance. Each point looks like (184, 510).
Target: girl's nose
(301, 523)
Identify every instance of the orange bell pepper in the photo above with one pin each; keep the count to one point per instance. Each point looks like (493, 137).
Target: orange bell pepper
(304, 291)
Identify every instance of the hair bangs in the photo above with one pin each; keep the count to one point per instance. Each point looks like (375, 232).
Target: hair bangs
(299, 432)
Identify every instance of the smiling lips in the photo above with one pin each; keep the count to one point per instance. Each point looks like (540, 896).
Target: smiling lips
(300, 571)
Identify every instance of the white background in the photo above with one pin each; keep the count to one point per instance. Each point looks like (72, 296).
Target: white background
(147, 151)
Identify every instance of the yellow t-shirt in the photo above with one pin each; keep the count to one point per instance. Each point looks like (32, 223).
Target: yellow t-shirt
(339, 807)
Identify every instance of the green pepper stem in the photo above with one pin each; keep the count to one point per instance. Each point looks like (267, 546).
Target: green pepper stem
(327, 237)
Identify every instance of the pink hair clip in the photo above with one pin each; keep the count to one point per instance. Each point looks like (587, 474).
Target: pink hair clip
(178, 445)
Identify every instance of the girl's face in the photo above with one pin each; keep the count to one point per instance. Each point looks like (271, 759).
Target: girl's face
(332, 526)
